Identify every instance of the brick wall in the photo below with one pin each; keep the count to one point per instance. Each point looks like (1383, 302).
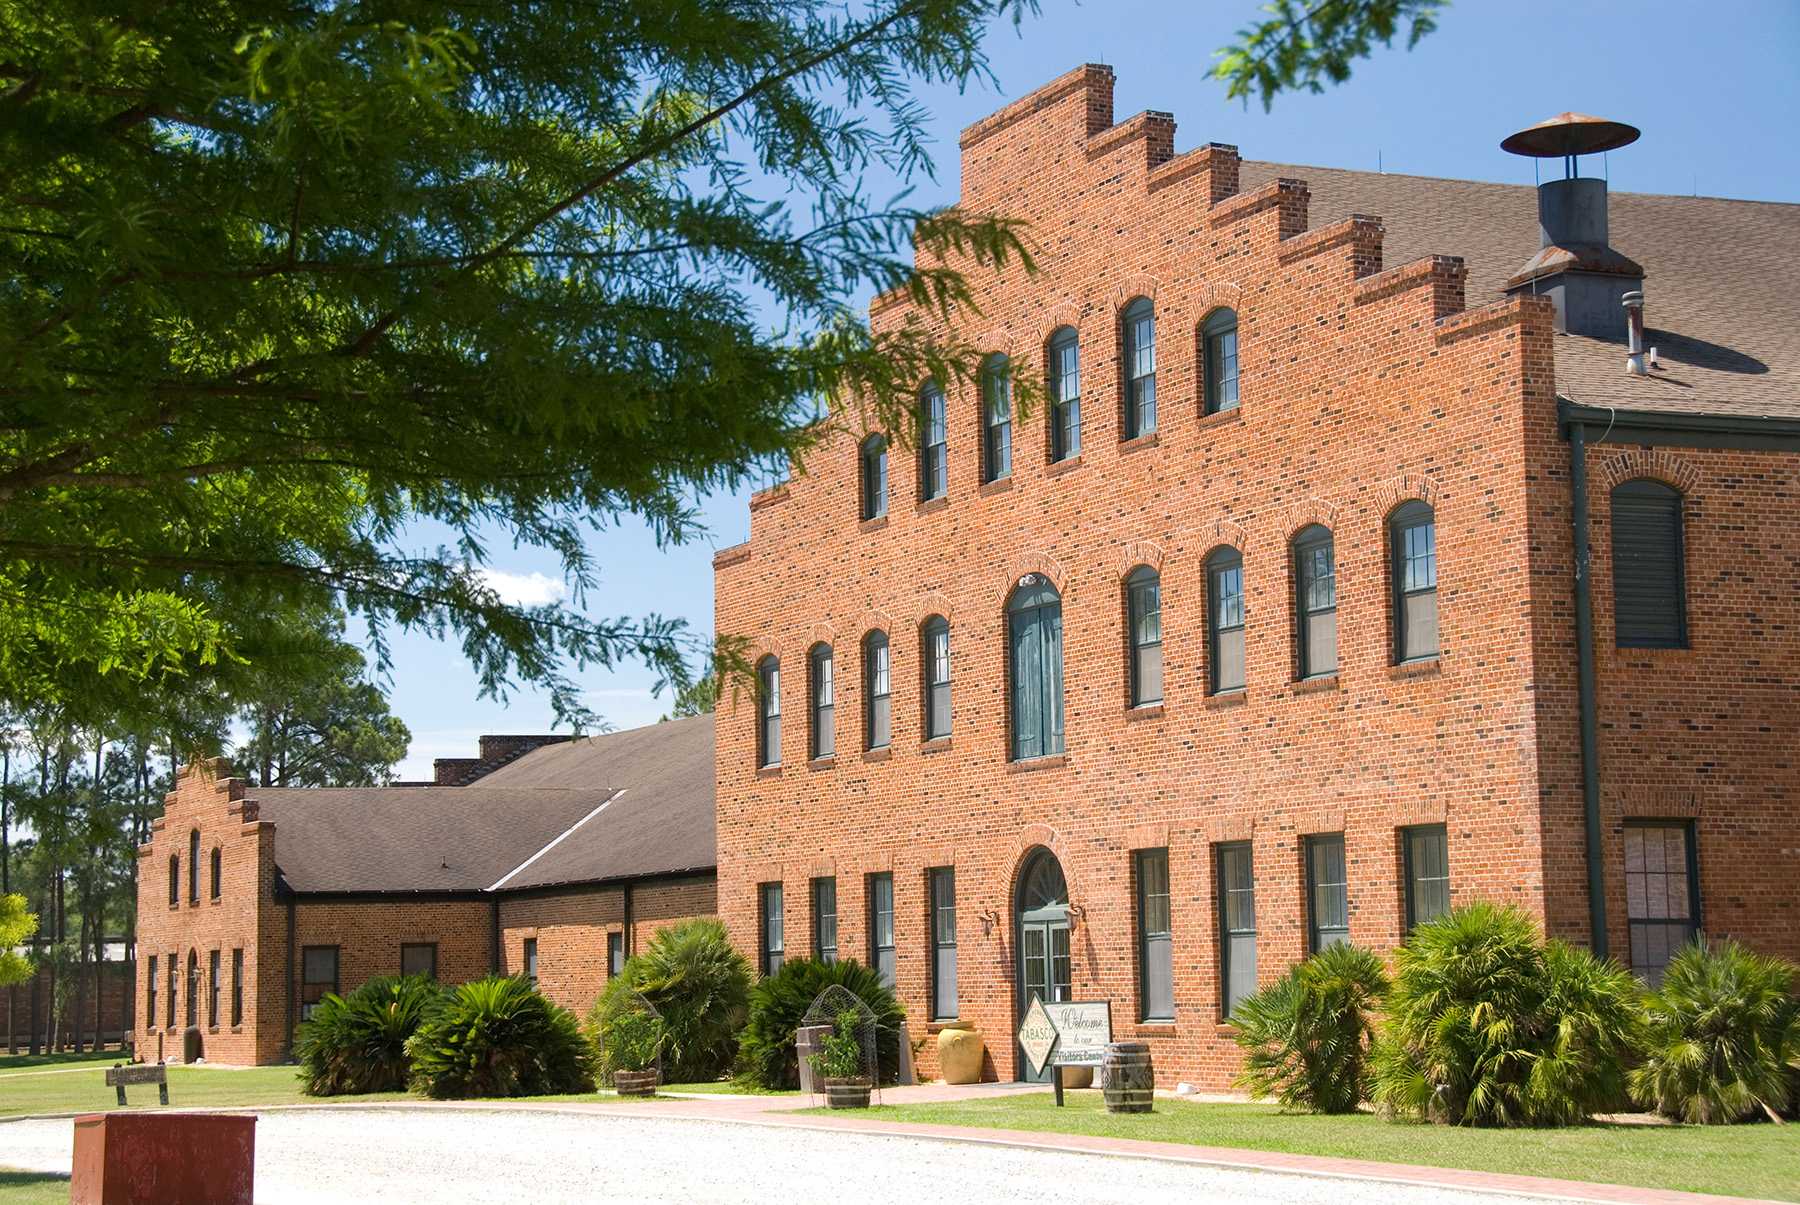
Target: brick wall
(116, 1018)
(572, 927)
(1362, 388)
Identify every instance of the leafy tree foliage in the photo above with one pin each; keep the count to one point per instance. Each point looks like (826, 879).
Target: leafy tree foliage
(1306, 1037)
(1309, 43)
(699, 697)
(1723, 1036)
(331, 728)
(357, 1043)
(287, 289)
(16, 927)
(1488, 1024)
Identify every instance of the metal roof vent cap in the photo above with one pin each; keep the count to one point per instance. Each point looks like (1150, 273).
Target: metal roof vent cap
(1576, 266)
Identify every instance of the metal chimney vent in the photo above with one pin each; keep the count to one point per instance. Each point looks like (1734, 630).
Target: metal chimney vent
(1576, 267)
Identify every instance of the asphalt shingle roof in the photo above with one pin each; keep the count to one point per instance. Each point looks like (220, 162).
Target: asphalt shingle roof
(1720, 304)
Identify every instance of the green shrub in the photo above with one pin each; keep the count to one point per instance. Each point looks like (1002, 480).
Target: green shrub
(1489, 1025)
(778, 1005)
(1722, 1036)
(698, 984)
(632, 1041)
(1306, 1038)
(357, 1043)
(840, 1053)
(500, 1037)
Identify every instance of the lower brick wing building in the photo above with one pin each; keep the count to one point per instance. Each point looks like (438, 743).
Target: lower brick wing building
(1357, 563)
(556, 860)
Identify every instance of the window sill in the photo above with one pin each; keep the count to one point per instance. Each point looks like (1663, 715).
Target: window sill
(822, 763)
(935, 745)
(926, 507)
(1068, 464)
(1423, 667)
(237, 1029)
(1051, 762)
(1221, 418)
(1225, 1029)
(943, 1023)
(1138, 442)
(1226, 698)
(1144, 711)
(1157, 1028)
(999, 486)
(881, 754)
(773, 771)
(1314, 685)
(875, 524)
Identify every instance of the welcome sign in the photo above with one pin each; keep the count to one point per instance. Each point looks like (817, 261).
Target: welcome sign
(1069, 1033)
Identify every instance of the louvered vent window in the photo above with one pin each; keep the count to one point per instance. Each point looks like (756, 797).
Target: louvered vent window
(1649, 601)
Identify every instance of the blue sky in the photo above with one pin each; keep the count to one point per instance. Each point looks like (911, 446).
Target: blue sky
(1714, 87)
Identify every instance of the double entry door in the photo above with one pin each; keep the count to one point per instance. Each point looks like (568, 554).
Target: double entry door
(1043, 972)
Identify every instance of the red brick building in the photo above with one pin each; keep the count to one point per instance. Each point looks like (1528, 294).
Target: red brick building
(1265, 629)
(556, 859)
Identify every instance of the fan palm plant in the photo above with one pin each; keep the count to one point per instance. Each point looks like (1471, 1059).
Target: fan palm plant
(1306, 1038)
(1722, 1036)
(698, 984)
(500, 1037)
(357, 1043)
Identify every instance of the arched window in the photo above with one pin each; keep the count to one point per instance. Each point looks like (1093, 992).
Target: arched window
(194, 866)
(768, 710)
(1140, 368)
(1143, 622)
(217, 859)
(996, 410)
(193, 988)
(823, 690)
(1412, 537)
(174, 882)
(874, 461)
(1219, 360)
(1034, 632)
(878, 692)
(1225, 618)
(934, 659)
(1315, 602)
(934, 447)
(1649, 592)
(1065, 394)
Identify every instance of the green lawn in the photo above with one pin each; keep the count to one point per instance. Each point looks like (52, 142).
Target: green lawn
(189, 1088)
(32, 1188)
(1749, 1160)
(14, 1064)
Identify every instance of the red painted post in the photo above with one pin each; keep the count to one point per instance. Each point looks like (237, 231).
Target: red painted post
(164, 1159)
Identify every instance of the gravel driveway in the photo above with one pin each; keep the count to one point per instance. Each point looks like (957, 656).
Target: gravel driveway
(442, 1156)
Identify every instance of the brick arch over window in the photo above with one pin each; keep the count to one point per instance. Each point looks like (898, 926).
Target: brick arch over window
(872, 620)
(821, 633)
(1225, 531)
(1408, 489)
(1031, 562)
(1216, 295)
(1030, 838)
(1140, 552)
(1654, 463)
(1140, 285)
(1067, 314)
(932, 602)
(1308, 512)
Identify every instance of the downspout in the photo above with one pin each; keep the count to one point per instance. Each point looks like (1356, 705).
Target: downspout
(630, 937)
(494, 945)
(293, 928)
(1584, 655)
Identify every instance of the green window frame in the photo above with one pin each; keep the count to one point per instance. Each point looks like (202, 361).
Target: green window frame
(1065, 394)
(150, 992)
(823, 689)
(772, 926)
(237, 988)
(873, 458)
(419, 958)
(213, 961)
(1414, 580)
(1315, 602)
(1649, 566)
(996, 418)
(934, 663)
(941, 884)
(1156, 944)
(1327, 892)
(1138, 343)
(825, 919)
(1143, 623)
(768, 712)
(1219, 360)
(878, 691)
(934, 445)
(1427, 858)
(1225, 620)
(1662, 892)
(1235, 865)
(882, 949)
(1035, 636)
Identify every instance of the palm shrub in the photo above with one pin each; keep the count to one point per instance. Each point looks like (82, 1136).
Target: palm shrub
(1487, 1024)
(1306, 1038)
(698, 984)
(1722, 1036)
(778, 1006)
(500, 1037)
(357, 1043)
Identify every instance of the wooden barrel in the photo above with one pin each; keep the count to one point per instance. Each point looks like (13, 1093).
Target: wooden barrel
(1127, 1079)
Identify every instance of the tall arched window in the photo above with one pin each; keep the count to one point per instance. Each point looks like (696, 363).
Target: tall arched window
(1143, 621)
(194, 866)
(217, 859)
(934, 659)
(1219, 360)
(1412, 538)
(1649, 591)
(874, 462)
(823, 690)
(1315, 602)
(878, 692)
(1034, 632)
(1140, 368)
(996, 409)
(1065, 393)
(1225, 618)
(768, 711)
(934, 446)
(174, 883)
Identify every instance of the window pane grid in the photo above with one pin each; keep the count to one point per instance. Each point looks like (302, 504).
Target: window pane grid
(825, 926)
(824, 736)
(943, 942)
(997, 386)
(1659, 894)
(1428, 874)
(1328, 891)
(934, 455)
(1140, 365)
(774, 938)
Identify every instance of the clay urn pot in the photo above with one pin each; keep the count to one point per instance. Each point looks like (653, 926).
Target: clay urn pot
(960, 1050)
